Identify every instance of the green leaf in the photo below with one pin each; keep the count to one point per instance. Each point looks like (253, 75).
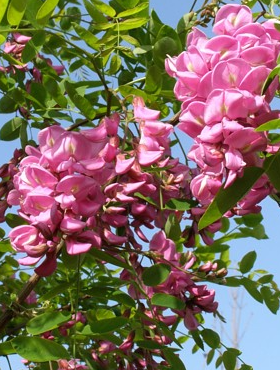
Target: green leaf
(14, 220)
(130, 24)
(245, 367)
(109, 258)
(95, 14)
(211, 338)
(247, 262)
(33, 46)
(173, 360)
(172, 227)
(143, 49)
(11, 129)
(133, 10)
(210, 356)
(46, 11)
(108, 325)
(270, 125)
(271, 166)
(123, 298)
(38, 350)
(271, 300)
(47, 321)
(153, 80)
(258, 232)
(266, 279)
(196, 337)
(54, 90)
(128, 4)
(87, 36)
(81, 102)
(251, 287)
(227, 198)
(104, 8)
(229, 360)
(16, 11)
(167, 42)
(8, 105)
(156, 274)
(250, 220)
(3, 8)
(166, 300)
(233, 281)
(6, 348)
(270, 78)
(5, 246)
(179, 204)
(115, 64)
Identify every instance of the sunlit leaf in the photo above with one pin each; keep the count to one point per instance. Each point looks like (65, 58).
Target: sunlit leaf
(270, 125)
(3, 8)
(15, 11)
(134, 10)
(46, 11)
(227, 198)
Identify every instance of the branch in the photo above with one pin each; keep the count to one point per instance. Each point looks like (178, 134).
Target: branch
(23, 294)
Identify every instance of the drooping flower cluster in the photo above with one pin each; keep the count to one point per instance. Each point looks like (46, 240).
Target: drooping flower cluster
(219, 81)
(83, 188)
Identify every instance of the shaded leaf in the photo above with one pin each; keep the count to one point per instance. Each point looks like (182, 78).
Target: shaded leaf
(271, 300)
(166, 300)
(172, 227)
(156, 274)
(247, 262)
(229, 360)
(108, 325)
(211, 338)
(47, 321)
(271, 166)
(251, 287)
(38, 349)
(11, 129)
(173, 360)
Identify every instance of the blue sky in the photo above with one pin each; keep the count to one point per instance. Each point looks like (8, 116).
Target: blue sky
(258, 326)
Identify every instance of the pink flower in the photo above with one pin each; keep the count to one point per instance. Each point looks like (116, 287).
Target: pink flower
(231, 17)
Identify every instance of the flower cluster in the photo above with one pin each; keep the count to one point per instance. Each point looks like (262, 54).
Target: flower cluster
(179, 283)
(219, 81)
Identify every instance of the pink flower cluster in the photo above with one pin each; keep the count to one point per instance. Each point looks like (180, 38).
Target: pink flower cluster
(80, 186)
(179, 283)
(219, 81)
